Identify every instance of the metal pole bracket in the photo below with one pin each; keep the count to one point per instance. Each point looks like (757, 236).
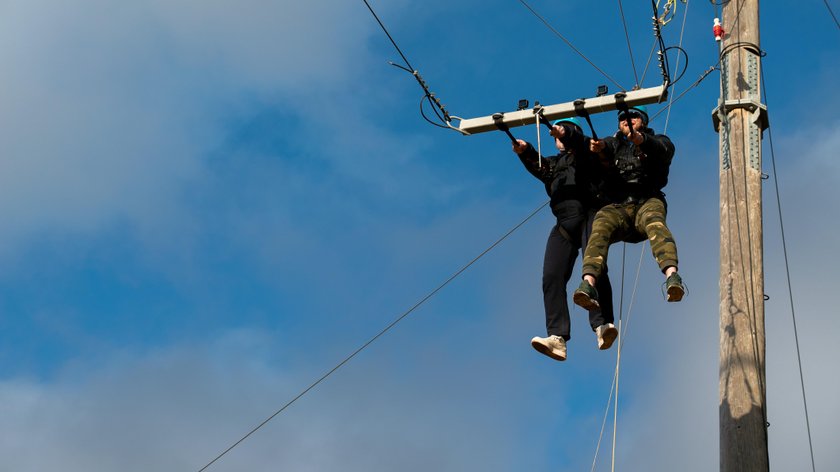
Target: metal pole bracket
(759, 112)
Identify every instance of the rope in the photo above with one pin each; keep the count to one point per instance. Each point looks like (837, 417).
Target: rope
(614, 386)
(790, 289)
(543, 20)
(620, 341)
(382, 332)
(627, 36)
(615, 398)
(618, 360)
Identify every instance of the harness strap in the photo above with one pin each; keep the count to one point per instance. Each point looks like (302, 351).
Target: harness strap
(622, 107)
(566, 234)
(497, 120)
(538, 110)
(580, 110)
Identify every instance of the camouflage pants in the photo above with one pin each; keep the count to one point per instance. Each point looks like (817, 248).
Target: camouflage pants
(632, 222)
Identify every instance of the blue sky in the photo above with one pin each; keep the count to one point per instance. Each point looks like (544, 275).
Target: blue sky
(208, 205)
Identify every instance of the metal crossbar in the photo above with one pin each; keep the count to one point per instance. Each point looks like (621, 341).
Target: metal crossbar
(513, 119)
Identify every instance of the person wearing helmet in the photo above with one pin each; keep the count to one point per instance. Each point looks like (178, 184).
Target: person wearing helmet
(570, 179)
(636, 163)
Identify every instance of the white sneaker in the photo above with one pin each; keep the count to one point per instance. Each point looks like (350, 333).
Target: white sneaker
(552, 346)
(606, 335)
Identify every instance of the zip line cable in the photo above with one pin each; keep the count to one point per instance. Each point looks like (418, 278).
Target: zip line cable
(663, 58)
(702, 76)
(650, 57)
(682, 32)
(787, 273)
(389, 35)
(831, 12)
(437, 106)
(546, 23)
(378, 335)
(629, 47)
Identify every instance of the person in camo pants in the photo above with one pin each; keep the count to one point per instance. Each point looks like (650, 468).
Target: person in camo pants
(635, 164)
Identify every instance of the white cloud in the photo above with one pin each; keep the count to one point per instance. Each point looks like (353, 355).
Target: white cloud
(177, 409)
(111, 109)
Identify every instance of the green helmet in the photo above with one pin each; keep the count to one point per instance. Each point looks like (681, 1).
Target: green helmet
(640, 109)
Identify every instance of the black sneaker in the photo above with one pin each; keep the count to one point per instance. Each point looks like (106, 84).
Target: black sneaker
(586, 296)
(674, 287)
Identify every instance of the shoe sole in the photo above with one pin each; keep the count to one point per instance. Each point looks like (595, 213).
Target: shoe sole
(543, 349)
(675, 293)
(585, 301)
(608, 338)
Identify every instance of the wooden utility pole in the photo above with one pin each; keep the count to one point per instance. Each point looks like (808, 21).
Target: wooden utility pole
(740, 120)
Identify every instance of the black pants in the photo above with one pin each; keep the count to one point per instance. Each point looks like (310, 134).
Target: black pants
(560, 257)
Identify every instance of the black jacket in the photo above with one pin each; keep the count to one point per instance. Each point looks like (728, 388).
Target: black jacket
(636, 172)
(571, 178)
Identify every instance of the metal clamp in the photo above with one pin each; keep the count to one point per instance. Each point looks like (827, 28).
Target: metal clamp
(758, 110)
